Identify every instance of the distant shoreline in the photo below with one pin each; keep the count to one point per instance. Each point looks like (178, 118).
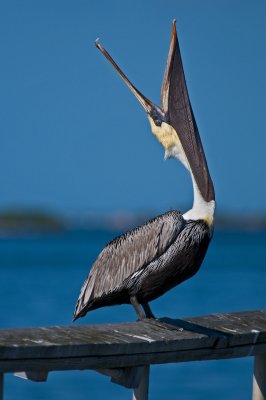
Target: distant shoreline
(37, 222)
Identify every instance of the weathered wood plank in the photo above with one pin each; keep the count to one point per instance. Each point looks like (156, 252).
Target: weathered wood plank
(122, 361)
(35, 376)
(90, 339)
(129, 377)
(133, 344)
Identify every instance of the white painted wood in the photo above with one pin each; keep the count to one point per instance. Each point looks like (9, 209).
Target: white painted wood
(141, 392)
(1, 386)
(259, 378)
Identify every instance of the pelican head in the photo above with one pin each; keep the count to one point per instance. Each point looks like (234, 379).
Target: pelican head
(173, 123)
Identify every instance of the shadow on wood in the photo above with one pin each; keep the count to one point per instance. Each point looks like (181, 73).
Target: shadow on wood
(117, 349)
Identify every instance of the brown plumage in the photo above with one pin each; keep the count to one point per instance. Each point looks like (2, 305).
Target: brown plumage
(125, 256)
(144, 263)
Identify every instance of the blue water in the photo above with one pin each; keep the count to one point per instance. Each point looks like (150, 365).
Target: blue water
(40, 281)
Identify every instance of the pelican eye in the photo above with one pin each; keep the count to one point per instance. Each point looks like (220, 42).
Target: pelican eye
(158, 122)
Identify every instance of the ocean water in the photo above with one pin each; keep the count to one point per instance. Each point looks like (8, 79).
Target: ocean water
(40, 278)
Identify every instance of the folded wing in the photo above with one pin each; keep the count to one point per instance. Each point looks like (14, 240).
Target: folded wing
(127, 254)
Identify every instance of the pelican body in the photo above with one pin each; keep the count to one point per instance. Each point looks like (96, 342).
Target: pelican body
(144, 263)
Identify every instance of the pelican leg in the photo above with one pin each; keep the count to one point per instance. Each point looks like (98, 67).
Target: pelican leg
(137, 307)
(148, 311)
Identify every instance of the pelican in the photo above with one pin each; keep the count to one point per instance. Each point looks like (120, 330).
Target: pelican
(144, 263)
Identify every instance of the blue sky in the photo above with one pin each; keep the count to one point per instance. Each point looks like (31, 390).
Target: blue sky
(75, 140)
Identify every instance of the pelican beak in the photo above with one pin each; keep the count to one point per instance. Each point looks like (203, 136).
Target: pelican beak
(146, 103)
(176, 105)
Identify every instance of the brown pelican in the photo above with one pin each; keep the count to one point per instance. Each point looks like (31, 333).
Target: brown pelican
(141, 265)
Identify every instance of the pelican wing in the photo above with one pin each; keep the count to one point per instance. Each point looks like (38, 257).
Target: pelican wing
(176, 105)
(127, 254)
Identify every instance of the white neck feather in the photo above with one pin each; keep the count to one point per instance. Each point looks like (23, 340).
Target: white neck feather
(201, 209)
(168, 137)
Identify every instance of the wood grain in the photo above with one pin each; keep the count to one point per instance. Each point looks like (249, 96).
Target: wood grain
(215, 336)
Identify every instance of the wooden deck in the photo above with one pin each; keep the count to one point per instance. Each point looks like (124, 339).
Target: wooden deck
(113, 348)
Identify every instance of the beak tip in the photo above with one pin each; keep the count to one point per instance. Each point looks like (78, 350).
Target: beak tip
(97, 44)
(174, 27)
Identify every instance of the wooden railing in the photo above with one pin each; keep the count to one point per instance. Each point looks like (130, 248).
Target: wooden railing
(125, 351)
